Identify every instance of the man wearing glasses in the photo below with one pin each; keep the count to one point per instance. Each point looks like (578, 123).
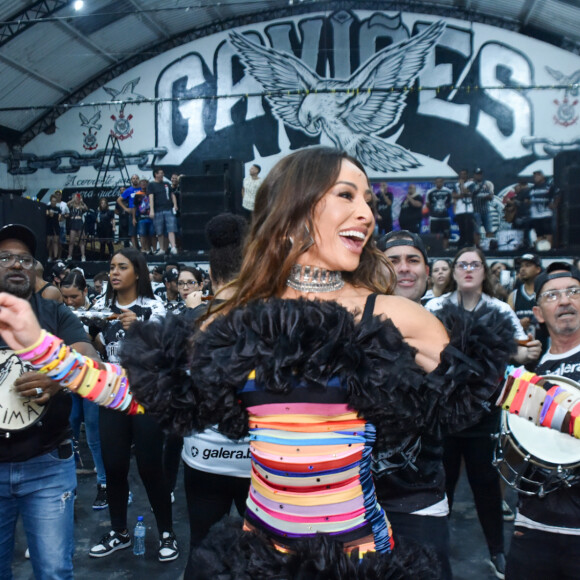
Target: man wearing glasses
(546, 539)
(37, 467)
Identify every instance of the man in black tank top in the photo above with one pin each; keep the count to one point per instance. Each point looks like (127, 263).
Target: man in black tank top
(546, 540)
(523, 299)
(414, 497)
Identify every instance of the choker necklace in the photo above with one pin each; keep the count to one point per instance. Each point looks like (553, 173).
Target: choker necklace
(314, 279)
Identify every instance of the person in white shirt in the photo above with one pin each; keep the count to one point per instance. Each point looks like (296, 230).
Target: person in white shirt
(251, 185)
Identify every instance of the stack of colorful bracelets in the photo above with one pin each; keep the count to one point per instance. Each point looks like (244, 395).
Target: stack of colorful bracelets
(545, 404)
(103, 383)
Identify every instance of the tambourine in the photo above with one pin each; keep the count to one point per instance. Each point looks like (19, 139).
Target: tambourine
(16, 412)
(537, 460)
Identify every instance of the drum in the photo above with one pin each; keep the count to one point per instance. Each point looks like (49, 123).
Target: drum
(537, 460)
(16, 412)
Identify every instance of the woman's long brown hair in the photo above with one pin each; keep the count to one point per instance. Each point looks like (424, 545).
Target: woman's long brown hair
(281, 226)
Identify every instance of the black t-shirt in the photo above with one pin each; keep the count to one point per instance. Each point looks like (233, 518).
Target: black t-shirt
(52, 215)
(47, 433)
(560, 508)
(411, 212)
(439, 201)
(385, 210)
(161, 195)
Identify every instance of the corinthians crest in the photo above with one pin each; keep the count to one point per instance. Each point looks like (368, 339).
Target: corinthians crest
(90, 138)
(566, 112)
(122, 123)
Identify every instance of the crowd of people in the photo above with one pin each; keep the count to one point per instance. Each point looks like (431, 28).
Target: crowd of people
(466, 212)
(526, 213)
(145, 217)
(345, 375)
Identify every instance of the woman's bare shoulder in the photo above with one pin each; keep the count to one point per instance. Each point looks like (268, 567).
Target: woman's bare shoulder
(421, 329)
(392, 306)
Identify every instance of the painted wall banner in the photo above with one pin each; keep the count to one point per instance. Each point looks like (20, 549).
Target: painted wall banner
(413, 96)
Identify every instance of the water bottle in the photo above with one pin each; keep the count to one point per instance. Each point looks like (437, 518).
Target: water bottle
(139, 538)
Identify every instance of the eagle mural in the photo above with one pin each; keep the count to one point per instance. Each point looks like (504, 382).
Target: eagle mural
(344, 110)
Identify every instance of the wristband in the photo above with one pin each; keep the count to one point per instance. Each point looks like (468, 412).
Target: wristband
(75, 379)
(120, 393)
(548, 409)
(105, 395)
(519, 397)
(574, 414)
(88, 381)
(37, 348)
(63, 368)
(99, 383)
(127, 400)
(532, 404)
(60, 355)
(47, 356)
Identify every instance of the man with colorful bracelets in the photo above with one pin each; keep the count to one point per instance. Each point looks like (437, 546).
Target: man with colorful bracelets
(546, 540)
(37, 467)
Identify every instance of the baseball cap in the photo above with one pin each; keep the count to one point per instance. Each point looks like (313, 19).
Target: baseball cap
(158, 270)
(538, 171)
(401, 238)
(58, 268)
(555, 270)
(171, 275)
(21, 233)
(529, 257)
(478, 170)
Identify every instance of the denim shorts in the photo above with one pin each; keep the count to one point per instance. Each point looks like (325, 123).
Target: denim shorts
(165, 222)
(145, 227)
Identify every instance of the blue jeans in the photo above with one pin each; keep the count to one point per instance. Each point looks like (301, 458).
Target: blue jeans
(83, 407)
(42, 491)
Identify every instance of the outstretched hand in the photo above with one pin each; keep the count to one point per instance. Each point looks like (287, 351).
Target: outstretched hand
(18, 325)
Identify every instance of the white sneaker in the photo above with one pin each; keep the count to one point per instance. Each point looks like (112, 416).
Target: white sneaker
(173, 250)
(27, 554)
(110, 543)
(168, 549)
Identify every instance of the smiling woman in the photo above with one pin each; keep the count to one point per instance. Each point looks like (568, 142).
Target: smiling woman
(315, 360)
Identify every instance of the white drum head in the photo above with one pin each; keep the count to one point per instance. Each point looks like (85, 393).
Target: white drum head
(15, 412)
(545, 444)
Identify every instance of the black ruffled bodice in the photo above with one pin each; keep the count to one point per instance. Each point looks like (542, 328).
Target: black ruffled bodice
(191, 383)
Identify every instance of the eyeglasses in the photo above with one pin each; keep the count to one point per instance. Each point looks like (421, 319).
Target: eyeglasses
(8, 260)
(183, 283)
(469, 265)
(553, 295)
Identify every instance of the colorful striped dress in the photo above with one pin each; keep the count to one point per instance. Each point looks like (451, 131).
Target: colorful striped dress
(311, 459)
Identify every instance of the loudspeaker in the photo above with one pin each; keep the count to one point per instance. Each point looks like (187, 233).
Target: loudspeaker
(193, 230)
(205, 193)
(567, 180)
(233, 173)
(201, 183)
(567, 169)
(218, 190)
(19, 210)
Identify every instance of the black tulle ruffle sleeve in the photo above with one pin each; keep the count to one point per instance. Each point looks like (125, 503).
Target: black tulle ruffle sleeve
(191, 384)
